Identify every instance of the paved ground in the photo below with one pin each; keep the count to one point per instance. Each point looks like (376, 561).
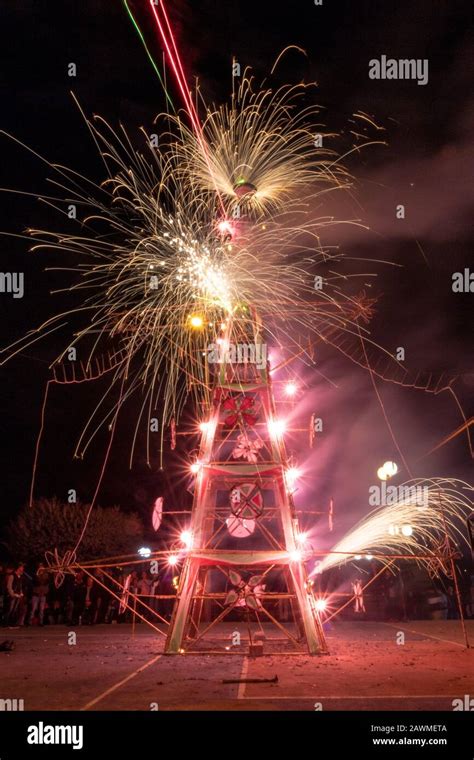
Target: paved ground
(367, 669)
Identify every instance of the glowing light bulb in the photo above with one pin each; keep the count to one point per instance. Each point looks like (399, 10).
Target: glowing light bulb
(204, 426)
(195, 467)
(196, 321)
(387, 470)
(290, 389)
(172, 560)
(296, 555)
(301, 538)
(144, 551)
(291, 476)
(186, 538)
(321, 604)
(276, 428)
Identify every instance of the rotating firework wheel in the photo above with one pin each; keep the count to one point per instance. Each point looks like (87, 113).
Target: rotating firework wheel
(240, 410)
(246, 501)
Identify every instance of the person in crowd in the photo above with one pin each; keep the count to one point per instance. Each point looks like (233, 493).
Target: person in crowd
(90, 601)
(16, 593)
(4, 572)
(453, 612)
(78, 598)
(66, 593)
(40, 594)
(55, 611)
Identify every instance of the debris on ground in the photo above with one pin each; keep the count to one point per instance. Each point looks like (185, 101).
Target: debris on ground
(251, 680)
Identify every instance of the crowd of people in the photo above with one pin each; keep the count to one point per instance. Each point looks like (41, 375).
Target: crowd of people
(82, 599)
(85, 598)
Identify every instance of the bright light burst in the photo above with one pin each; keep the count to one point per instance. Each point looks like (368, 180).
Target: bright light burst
(261, 151)
(291, 478)
(186, 537)
(276, 428)
(161, 274)
(321, 604)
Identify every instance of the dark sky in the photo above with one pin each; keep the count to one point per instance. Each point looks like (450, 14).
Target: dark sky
(427, 165)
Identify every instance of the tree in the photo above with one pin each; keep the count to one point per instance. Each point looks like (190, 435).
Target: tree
(49, 524)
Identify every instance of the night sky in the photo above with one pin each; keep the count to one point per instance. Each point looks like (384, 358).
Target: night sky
(427, 165)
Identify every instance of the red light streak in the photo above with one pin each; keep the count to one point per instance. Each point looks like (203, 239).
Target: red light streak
(177, 67)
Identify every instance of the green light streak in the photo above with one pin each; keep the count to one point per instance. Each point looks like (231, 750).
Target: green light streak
(148, 53)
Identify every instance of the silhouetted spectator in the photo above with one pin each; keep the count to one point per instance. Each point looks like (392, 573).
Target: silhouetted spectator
(40, 593)
(78, 599)
(453, 612)
(16, 590)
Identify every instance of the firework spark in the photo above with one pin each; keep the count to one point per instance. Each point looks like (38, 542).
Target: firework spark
(163, 275)
(263, 152)
(152, 254)
(416, 523)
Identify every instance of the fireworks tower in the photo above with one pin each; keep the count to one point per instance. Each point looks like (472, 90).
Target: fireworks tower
(246, 559)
